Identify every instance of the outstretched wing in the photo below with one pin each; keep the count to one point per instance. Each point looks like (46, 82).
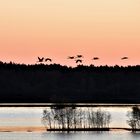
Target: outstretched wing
(39, 58)
(123, 58)
(96, 58)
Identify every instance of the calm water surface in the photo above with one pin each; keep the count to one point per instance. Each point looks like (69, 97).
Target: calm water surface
(28, 116)
(71, 136)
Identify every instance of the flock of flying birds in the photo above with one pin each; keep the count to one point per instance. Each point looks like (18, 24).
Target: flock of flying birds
(78, 59)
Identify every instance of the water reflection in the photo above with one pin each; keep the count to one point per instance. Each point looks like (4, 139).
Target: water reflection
(89, 135)
(113, 135)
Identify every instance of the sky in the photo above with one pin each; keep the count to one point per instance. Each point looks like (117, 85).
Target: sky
(109, 29)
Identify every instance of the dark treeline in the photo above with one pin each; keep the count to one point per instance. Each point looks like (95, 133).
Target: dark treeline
(69, 118)
(55, 83)
(58, 67)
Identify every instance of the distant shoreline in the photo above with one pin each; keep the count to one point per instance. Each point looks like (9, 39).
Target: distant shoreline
(66, 105)
(22, 129)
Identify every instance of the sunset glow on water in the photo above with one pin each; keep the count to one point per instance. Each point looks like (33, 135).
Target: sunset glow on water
(22, 119)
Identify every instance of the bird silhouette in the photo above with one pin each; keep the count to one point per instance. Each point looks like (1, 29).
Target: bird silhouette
(71, 57)
(79, 61)
(40, 59)
(79, 56)
(96, 58)
(48, 59)
(124, 58)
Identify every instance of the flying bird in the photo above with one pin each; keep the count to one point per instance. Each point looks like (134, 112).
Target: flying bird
(124, 58)
(40, 59)
(71, 57)
(79, 56)
(79, 61)
(48, 59)
(96, 58)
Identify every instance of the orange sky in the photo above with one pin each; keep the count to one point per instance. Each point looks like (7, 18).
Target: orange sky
(109, 29)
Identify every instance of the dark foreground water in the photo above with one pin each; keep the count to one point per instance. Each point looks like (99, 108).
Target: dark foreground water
(115, 135)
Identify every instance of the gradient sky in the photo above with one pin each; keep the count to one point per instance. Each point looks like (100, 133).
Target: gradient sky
(109, 29)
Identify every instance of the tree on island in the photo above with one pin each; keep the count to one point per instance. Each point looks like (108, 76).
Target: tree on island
(71, 118)
(134, 118)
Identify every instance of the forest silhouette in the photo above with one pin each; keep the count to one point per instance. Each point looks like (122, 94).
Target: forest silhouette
(40, 83)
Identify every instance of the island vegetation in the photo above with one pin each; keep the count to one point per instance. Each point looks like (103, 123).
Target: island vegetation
(75, 119)
(134, 118)
(63, 118)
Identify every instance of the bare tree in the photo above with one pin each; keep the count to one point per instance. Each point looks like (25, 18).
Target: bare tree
(134, 118)
(47, 119)
(75, 118)
(80, 116)
(60, 116)
(99, 119)
(70, 117)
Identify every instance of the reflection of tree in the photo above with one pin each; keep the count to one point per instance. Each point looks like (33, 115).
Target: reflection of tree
(134, 118)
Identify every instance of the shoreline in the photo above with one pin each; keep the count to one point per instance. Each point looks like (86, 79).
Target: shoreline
(89, 129)
(43, 129)
(68, 104)
(22, 129)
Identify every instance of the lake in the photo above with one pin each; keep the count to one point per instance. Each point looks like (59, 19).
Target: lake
(24, 123)
(113, 135)
(31, 116)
